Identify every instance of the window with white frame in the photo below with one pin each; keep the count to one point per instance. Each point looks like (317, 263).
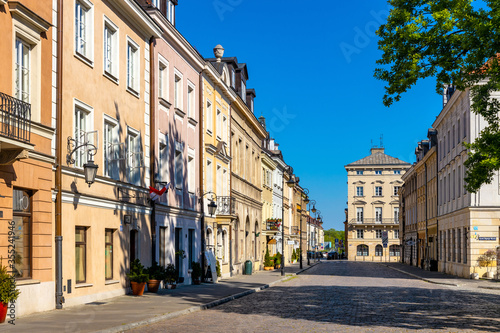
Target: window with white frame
(396, 234)
(379, 251)
(396, 190)
(191, 169)
(22, 70)
(84, 28)
(359, 172)
(163, 157)
(219, 180)
(378, 191)
(179, 166)
(243, 90)
(209, 175)
(111, 63)
(396, 214)
(178, 90)
(163, 78)
(378, 214)
(218, 124)
(362, 250)
(224, 128)
(170, 11)
(359, 191)
(111, 148)
(359, 214)
(82, 126)
(209, 117)
(224, 182)
(133, 75)
(156, 3)
(360, 233)
(397, 172)
(190, 101)
(378, 172)
(378, 233)
(134, 156)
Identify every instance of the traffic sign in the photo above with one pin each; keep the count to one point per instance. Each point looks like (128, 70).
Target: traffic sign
(385, 238)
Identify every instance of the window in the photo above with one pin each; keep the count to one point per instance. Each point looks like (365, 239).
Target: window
(378, 191)
(359, 191)
(465, 125)
(209, 176)
(396, 214)
(21, 211)
(111, 63)
(108, 253)
(190, 102)
(360, 233)
(378, 233)
(84, 29)
(359, 172)
(191, 172)
(378, 172)
(111, 148)
(394, 251)
(163, 246)
(80, 254)
(449, 141)
(163, 157)
(396, 190)
(454, 187)
(233, 78)
(465, 245)
(459, 128)
(191, 248)
(379, 252)
(134, 157)
(397, 172)
(218, 124)
(362, 250)
(178, 91)
(224, 128)
(224, 182)
(22, 71)
(179, 166)
(156, 3)
(133, 75)
(459, 181)
(219, 180)
(170, 11)
(209, 117)
(82, 126)
(378, 214)
(459, 245)
(453, 137)
(243, 90)
(396, 234)
(163, 79)
(359, 214)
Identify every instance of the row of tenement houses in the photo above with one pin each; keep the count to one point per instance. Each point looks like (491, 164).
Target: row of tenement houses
(112, 83)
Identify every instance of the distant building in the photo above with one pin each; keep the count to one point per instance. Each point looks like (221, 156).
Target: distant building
(373, 206)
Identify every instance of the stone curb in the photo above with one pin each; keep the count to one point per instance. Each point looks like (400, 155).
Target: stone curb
(422, 278)
(491, 288)
(196, 308)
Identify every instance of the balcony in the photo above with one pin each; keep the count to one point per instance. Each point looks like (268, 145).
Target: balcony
(374, 221)
(15, 129)
(294, 230)
(226, 206)
(15, 118)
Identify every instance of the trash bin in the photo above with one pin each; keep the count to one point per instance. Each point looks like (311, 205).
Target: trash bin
(248, 267)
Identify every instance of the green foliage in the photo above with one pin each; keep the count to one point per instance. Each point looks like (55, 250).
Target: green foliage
(156, 272)
(267, 259)
(487, 259)
(181, 254)
(294, 255)
(137, 272)
(457, 43)
(277, 259)
(8, 291)
(332, 234)
(196, 273)
(217, 268)
(170, 274)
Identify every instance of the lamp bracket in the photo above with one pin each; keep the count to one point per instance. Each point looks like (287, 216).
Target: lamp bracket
(73, 146)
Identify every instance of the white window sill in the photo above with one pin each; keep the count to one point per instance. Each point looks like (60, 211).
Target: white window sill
(111, 77)
(83, 285)
(83, 58)
(192, 121)
(133, 92)
(165, 103)
(111, 282)
(180, 113)
(27, 282)
(209, 132)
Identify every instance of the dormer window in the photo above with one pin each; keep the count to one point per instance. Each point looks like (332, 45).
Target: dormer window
(233, 78)
(251, 105)
(156, 3)
(170, 11)
(243, 90)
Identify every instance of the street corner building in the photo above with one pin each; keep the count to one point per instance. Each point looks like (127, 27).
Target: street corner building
(372, 219)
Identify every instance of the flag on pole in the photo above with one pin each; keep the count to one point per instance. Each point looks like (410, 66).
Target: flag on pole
(156, 194)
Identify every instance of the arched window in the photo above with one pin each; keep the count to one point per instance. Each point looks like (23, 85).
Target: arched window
(394, 251)
(362, 250)
(225, 246)
(379, 252)
(210, 240)
(220, 244)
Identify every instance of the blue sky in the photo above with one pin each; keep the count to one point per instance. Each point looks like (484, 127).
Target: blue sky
(311, 64)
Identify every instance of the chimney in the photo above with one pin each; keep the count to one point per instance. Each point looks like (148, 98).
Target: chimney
(375, 150)
(218, 52)
(262, 121)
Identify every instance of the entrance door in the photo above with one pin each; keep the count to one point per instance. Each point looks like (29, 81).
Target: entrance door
(133, 248)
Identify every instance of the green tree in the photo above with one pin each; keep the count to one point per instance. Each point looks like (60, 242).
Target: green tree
(332, 234)
(455, 41)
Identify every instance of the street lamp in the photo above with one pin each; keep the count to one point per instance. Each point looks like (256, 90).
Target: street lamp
(306, 192)
(212, 206)
(89, 168)
(318, 219)
(290, 183)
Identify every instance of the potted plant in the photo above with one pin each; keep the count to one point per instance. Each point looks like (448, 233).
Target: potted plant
(156, 275)
(487, 260)
(170, 276)
(196, 272)
(217, 268)
(277, 260)
(294, 256)
(138, 277)
(8, 291)
(268, 264)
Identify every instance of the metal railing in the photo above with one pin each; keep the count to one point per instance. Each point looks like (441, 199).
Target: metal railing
(226, 206)
(272, 225)
(15, 118)
(294, 230)
(374, 221)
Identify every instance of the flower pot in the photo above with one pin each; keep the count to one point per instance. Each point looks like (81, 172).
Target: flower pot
(153, 286)
(137, 287)
(268, 268)
(3, 311)
(474, 276)
(197, 281)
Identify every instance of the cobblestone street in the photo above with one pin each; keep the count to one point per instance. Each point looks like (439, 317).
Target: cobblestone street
(343, 296)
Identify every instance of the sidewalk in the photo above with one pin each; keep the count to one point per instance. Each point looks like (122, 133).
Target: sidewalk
(125, 312)
(442, 278)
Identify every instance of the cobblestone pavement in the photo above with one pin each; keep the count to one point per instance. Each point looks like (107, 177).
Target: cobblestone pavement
(342, 296)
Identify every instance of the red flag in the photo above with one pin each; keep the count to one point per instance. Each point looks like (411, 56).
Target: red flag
(156, 194)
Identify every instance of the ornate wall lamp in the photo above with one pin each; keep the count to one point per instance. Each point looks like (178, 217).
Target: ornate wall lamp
(89, 168)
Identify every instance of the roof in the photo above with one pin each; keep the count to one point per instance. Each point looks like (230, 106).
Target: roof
(378, 157)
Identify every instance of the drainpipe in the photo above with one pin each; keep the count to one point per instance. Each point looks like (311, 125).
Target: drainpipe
(426, 251)
(59, 159)
(152, 138)
(202, 189)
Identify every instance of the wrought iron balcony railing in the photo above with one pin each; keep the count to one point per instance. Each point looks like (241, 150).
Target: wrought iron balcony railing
(15, 118)
(226, 206)
(273, 225)
(374, 221)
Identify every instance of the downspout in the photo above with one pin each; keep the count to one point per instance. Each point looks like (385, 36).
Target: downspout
(59, 158)
(426, 250)
(438, 244)
(202, 189)
(152, 138)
